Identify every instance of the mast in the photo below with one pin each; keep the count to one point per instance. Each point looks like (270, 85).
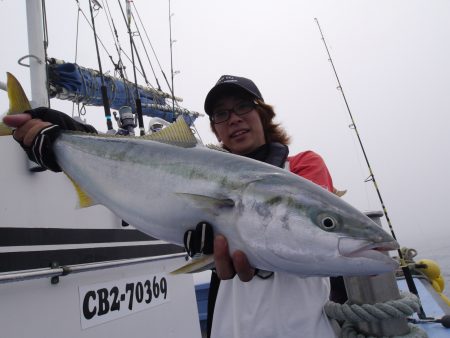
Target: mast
(37, 62)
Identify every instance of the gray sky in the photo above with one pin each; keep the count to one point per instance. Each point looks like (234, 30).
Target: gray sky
(392, 58)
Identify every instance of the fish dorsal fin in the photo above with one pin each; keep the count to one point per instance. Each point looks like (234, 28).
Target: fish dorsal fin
(84, 200)
(178, 134)
(18, 101)
(216, 147)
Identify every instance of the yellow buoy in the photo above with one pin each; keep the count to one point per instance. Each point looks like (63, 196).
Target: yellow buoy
(432, 270)
(445, 298)
(436, 285)
(441, 281)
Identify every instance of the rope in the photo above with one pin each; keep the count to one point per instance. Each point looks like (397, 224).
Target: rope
(400, 308)
(415, 332)
(391, 309)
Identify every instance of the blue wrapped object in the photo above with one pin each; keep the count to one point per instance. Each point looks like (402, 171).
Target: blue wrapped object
(69, 81)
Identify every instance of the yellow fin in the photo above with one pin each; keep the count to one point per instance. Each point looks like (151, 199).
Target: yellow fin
(18, 101)
(5, 130)
(339, 193)
(178, 134)
(202, 263)
(84, 200)
(216, 147)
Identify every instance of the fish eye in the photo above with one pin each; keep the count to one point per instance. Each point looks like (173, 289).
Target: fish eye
(328, 223)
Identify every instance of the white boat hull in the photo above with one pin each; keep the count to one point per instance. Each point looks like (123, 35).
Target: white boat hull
(41, 227)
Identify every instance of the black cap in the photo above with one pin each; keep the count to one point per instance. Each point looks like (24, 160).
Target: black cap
(230, 82)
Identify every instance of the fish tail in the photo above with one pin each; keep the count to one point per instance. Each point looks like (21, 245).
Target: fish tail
(18, 101)
(5, 130)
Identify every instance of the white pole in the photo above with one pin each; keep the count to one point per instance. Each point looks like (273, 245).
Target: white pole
(38, 71)
(39, 96)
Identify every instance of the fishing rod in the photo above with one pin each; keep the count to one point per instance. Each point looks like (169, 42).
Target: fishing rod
(171, 57)
(119, 67)
(145, 49)
(405, 268)
(138, 98)
(103, 87)
(143, 45)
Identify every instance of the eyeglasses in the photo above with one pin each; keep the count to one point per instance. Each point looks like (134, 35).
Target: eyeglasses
(221, 115)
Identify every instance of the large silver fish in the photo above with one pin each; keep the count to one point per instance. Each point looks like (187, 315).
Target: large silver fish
(166, 183)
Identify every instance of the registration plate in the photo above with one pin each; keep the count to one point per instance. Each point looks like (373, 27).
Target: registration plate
(103, 302)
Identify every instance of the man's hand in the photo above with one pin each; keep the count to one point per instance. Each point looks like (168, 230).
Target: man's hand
(37, 129)
(36, 137)
(202, 241)
(228, 266)
(27, 128)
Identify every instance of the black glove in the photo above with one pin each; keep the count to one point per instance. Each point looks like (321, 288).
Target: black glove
(200, 240)
(41, 150)
(64, 121)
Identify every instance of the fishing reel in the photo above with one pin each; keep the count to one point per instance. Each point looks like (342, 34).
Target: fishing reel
(156, 124)
(125, 121)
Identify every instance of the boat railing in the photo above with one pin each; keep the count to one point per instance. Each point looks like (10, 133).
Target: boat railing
(54, 272)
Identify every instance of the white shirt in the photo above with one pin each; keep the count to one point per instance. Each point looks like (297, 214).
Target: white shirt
(284, 306)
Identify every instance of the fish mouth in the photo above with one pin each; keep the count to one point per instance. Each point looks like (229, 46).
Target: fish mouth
(354, 248)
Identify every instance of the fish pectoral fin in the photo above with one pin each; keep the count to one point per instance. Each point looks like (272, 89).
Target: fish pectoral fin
(196, 264)
(177, 134)
(84, 200)
(208, 203)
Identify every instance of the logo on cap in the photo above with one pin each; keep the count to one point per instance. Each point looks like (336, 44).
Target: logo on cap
(226, 78)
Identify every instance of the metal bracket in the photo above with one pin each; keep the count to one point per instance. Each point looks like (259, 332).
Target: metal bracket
(28, 56)
(55, 279)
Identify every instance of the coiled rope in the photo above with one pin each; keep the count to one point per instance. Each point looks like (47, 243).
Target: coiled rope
(391, 309)
(414, 332)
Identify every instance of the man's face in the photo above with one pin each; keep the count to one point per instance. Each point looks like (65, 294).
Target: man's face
(241, 134)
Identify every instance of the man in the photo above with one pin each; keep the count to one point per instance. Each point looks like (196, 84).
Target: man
(246, 302)
(250, 302)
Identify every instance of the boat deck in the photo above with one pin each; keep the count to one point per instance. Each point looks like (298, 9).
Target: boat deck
(432, 305)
